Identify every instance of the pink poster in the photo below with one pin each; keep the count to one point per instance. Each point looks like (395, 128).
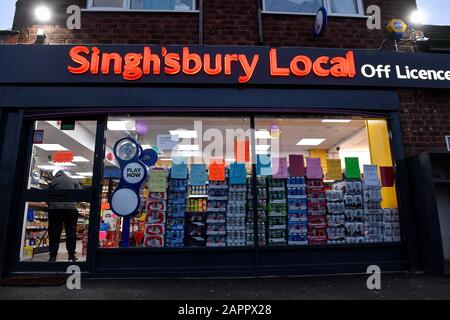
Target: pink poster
(280, 168)
(296, 165)
(313, 168)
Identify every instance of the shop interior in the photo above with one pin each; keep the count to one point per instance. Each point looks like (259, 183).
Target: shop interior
(209, 202)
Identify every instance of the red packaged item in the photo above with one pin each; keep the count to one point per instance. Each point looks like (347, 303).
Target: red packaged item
(153, 241)
(155, 217)
(155, 205)
(154, 229)
(157, 195)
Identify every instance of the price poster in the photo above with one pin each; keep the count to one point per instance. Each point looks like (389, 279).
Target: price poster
(334, 169)
(313, 168)
(296, 165)
(197, 175)
(280, 168)
(371, 175)
(217, 171)
(238, 173)
(352, 170)
(158, 181)
(179, 168)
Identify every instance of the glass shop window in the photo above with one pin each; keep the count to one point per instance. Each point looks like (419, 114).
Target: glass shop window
(156, 5)
(325, 181)
(345, 7)
(195, 195)
(62, 149)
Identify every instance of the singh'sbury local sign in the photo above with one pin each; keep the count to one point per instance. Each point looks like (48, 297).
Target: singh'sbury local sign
(221, 65)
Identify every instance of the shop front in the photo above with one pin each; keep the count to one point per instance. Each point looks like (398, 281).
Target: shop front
(268, 161)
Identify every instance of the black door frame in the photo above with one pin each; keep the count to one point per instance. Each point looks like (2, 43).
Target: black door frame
(13, 259)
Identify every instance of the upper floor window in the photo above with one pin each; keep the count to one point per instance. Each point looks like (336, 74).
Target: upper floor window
(334, 7)
(155, 5)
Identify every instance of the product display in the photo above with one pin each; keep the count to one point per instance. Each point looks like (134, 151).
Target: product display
(297, 211)
(276, 211)
(176, 214)
(336, 216)
(317, 214)
(373, 213)
(354, 214)
(155, 210)
(236, 215)
(36, 236)
(261, 201)
(216, 231)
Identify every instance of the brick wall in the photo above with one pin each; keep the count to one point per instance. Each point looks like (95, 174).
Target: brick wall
(424, 113)
(9, 37)
(231, 22)
(425, 119)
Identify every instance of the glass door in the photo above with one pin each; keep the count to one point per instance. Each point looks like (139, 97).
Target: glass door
(59, 202)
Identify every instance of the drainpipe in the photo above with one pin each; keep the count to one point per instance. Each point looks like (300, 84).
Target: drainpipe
(260, 26)
(200, 22)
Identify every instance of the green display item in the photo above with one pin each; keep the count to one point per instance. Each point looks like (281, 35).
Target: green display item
(352, 170)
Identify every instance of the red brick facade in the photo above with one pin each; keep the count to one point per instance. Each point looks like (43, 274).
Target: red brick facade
(425, 114)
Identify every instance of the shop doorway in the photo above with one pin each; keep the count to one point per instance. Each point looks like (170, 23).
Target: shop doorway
(56, 213)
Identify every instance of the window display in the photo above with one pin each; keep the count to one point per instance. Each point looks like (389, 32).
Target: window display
(196, 194)
(334, 192)
(319, 181)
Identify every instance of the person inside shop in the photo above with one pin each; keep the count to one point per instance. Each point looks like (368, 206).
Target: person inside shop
(62, 214)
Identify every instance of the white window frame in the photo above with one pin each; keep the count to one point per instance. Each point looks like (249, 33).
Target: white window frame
(127, 8)
(327, 4)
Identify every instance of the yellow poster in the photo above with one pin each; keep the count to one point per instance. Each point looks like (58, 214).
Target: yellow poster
(334, 169)
(158, 181)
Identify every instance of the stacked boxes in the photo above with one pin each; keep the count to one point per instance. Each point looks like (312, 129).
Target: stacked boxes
(373, 214)
(156, 207)
(297, 211)
(336, 216)
(236, 215)
(276, 211)
(317, 214)
(176, 213)
(261, 212)
(216, 215)
(354, 215)
(391, 225)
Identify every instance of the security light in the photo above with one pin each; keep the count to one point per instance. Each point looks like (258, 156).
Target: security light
(43, 13)
(417, 17)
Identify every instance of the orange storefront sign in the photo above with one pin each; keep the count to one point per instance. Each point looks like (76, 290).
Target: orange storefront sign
(133, 66)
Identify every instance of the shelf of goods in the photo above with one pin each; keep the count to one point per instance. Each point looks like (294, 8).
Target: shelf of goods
(276, 211)
(297, 211)
(317, 214)
(36, 228)
(216, 216)
(158, 207)
(261, 200)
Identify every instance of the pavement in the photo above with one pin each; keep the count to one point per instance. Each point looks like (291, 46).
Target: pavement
(393, 286)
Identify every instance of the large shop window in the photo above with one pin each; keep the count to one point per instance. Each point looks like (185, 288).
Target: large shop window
(156, 5)
(326, 181)
(319, 181)
(59, 188)
(196, 195)
(338, 7)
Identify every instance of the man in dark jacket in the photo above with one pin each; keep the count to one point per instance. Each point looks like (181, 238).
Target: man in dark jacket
(62, 213)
